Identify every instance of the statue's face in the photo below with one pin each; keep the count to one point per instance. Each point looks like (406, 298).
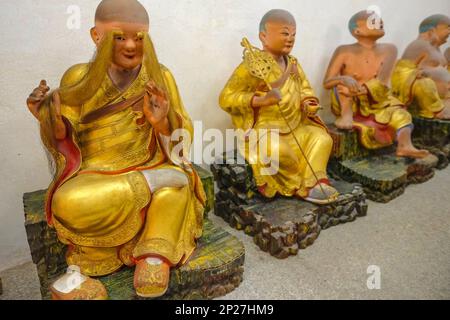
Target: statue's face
(279, 37)
(442, 32)
(372, 27)
(128, 48)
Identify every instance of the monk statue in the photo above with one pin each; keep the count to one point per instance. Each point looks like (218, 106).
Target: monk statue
(284, 101)
(422, 75)
(120, 196)
(358, 77)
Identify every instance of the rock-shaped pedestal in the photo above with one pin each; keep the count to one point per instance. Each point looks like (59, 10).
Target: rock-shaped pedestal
(215, 268)
(433, 135)
(280, 226)
(382, 175)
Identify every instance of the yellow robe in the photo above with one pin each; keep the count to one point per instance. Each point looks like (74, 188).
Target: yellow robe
(105, 209)
(408, 89)
(377, 116)
(293, 175)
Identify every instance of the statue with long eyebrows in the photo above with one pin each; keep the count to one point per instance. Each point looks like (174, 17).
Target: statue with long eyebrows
(120, 196)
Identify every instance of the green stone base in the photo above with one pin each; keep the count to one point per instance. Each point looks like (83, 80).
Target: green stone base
(433, 135)
(215, 268)
(382, 175)
(384, 178)
(280, 226)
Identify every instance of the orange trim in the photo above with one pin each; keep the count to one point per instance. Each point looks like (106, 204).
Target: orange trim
(73, 160)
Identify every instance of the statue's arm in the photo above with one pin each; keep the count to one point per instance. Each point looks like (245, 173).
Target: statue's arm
(333, 76)
(388, 66)
(417, 52)
(307, 90)
(238, 93)
(447, 55)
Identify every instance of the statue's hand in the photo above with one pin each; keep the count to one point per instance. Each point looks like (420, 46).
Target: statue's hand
(271, 98)
(156, 107)
(422, 73)
(352, 85)
(310, 107)
(35, 99)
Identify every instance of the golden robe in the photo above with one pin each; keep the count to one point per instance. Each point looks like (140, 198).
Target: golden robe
(408, 89)
(293, 175)
(100, 201)
(377, 116)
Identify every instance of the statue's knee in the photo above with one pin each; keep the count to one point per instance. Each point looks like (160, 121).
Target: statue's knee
(404, 115)
(325, 141)
(61, 202)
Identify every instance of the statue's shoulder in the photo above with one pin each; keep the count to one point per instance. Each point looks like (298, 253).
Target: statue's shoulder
(291, 58)
(388, 46)
(74, 74)
(389, 49)
(166, 73)
(345, 48)
(417, 47)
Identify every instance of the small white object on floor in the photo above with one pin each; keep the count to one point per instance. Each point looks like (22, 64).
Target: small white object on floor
(72, 280)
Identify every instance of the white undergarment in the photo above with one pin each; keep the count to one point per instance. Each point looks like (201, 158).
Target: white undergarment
(164, 178)
(154, 261)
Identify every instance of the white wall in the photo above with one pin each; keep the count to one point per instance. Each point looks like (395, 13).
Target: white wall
(198, 40)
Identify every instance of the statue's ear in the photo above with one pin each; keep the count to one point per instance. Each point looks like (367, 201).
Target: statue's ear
(262, 37)
(95, 36)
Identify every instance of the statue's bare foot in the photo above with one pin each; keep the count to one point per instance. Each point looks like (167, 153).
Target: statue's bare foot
(444, 114)
(411, 152)
(344, 122)
(151, 277)
(75, 286)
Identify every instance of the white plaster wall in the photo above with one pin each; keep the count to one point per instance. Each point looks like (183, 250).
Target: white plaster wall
(198, 40)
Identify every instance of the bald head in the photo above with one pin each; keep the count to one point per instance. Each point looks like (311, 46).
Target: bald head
(359, 16)
(433, 21)
(278, 16)
(128, 11)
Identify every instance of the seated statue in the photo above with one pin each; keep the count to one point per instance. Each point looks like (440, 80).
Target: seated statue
(422, 75)
(119, 196)
(283, 101)
(358, 76)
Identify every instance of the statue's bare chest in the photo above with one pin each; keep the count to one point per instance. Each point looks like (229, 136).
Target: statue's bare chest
(364, 66)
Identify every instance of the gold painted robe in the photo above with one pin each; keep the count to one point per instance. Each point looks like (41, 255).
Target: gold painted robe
(100, 202)
(293, 175)
(408, 89)
(377, 116)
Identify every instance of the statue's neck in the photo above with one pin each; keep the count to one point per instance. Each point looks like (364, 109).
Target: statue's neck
(428, 37)
(368, 43)
(123, 78)
(281, 60)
